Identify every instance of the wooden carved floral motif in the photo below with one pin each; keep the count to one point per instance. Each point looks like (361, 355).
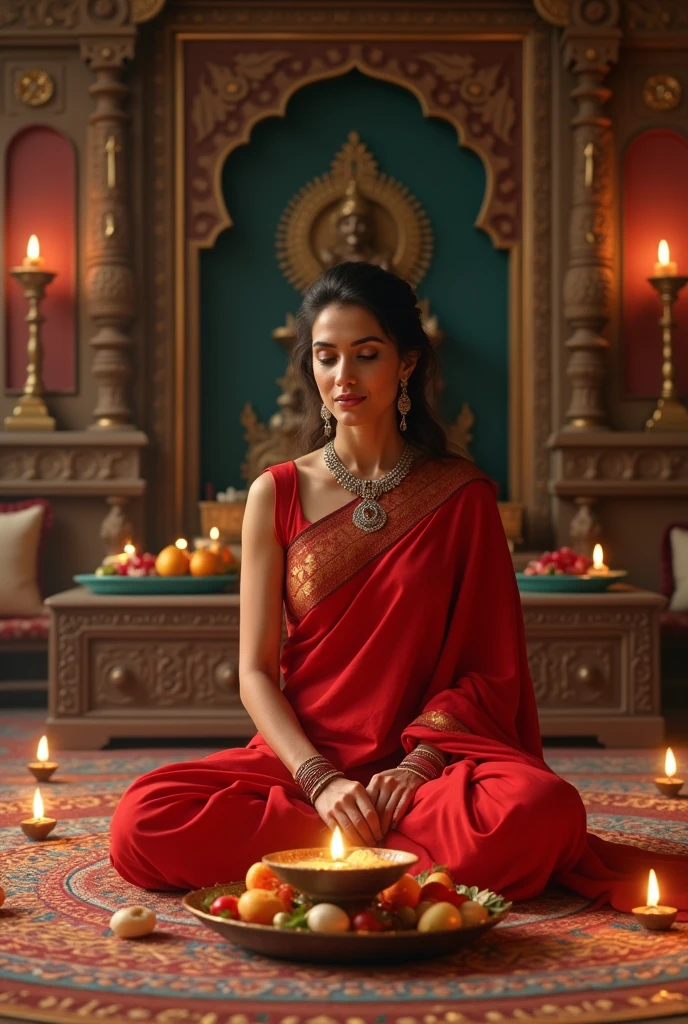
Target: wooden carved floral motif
(478, 91)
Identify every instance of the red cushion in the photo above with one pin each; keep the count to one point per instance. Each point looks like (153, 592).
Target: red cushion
(47, 522)
(674, 624)
(35, 628)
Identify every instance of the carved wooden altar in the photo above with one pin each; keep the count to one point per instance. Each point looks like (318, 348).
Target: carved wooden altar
(157, 95)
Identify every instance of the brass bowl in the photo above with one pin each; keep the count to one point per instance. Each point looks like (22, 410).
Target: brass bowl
(339, 884)
(332, 948)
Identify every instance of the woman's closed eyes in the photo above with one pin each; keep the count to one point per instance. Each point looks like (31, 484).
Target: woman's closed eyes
(326, 362)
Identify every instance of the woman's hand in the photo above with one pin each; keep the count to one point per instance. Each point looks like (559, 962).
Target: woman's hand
(346, 803)
(391, 793)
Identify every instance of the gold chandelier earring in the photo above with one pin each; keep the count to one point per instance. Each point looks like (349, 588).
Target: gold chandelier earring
(327, 416)
(403, 404)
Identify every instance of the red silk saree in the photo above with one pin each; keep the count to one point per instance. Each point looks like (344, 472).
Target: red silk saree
(411, 633)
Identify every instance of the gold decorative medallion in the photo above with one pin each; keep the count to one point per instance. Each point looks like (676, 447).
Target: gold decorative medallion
(353, 213)
(662, 92)
(145, 10)
(34, 87)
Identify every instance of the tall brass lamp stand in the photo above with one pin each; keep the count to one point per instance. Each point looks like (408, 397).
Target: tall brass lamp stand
(670, 413)
(30, 412)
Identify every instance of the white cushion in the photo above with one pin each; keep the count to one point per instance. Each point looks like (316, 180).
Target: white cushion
(20, 534)
(679, 565)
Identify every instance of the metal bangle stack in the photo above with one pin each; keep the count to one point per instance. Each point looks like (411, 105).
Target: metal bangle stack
(424, 763)
(314, 774)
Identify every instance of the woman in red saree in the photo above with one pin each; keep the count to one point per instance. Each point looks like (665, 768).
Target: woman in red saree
(408, 635)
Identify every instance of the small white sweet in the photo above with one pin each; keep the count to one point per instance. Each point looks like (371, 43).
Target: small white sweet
(327, 917)
(133, 922)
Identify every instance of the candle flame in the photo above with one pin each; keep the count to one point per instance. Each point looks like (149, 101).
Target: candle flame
(670, 763)
(42, 753)
(214, 533)
(652, 890)
(37, 804)
(663, 254)
(598, 556)
(337, 845)
(181, 543)
(33, 249)
(129, 549)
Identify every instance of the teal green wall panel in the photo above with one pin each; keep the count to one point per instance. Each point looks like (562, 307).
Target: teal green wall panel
(244, 295)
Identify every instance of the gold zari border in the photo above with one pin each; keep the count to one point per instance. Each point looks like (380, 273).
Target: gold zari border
(330, 552)
(441, 721)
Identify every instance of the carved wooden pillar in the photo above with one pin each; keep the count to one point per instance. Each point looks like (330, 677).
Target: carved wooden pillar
(109, 278)
(590, 45)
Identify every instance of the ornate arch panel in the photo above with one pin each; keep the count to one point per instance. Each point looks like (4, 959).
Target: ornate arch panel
(484, 71)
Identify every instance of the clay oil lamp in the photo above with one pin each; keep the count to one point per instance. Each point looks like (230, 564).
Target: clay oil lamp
(336, 876)
(38, 827)
(669, 786)
(653, 916)
(42, 768)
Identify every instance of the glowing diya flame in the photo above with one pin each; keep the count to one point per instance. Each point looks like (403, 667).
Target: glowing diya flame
(37, 804)
(663, 254)
(214, 533)
(652, 890)
(337, 845)
(669, 764)
(598, 557)
(129, 549)
(33, 249)
(43, 753)
(181, 543)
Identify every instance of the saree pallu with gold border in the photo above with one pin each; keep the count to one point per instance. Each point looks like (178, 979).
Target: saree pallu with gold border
(415, 633)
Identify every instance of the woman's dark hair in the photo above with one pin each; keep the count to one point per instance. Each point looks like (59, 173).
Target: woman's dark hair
(394, 305)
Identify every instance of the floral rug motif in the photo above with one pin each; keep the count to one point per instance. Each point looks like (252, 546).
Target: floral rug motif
(553, 959)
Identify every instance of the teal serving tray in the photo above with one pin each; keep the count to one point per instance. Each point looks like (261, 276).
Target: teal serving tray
(143, 586)
(568, 584)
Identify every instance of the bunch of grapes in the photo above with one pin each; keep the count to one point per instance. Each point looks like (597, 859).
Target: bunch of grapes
(565, 561)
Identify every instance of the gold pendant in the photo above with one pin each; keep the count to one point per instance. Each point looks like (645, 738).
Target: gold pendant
(369, 516)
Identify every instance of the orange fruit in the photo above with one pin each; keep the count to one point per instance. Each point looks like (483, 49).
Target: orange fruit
(440, 876)
(226, 556)
(404, 893)
(172, 561)
(260, 876)
(258, 906)
(205, 562)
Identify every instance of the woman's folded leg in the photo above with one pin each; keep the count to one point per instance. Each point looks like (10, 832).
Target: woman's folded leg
(196, 823)
(502, 826)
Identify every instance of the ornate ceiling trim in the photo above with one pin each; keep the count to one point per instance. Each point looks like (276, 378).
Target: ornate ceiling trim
(472, 90)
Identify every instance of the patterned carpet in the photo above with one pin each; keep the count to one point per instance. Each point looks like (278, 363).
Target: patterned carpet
(554, 959)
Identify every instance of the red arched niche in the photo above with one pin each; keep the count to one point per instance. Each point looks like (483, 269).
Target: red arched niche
(655, 206)
(40, 199)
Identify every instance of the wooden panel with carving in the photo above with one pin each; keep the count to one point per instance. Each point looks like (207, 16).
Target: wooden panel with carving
(574, 674)
(162, 673)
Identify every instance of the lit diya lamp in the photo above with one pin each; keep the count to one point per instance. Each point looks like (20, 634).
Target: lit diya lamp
(42, 768)
(336, 876)
(653, 917)
(669, 786)
(38, 827)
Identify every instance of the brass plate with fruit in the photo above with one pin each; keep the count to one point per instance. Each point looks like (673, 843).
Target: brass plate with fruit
(146, 586)
(416, 917)
(565, 572)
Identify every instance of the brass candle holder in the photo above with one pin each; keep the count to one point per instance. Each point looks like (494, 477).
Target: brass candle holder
(670, 413)
(357, 876)
(30, 412)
